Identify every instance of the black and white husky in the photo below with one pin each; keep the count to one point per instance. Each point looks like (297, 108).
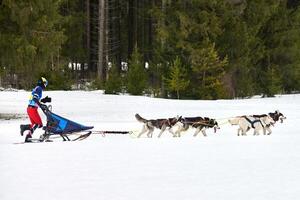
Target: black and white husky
(199, 123)
(276, 116)
(150, 124)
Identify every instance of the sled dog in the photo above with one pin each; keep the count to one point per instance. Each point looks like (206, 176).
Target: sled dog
(257, 122)
(276, 116)
(199, 123)
(151, 124)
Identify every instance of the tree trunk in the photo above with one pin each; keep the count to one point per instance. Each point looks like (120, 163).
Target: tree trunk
(203, 79)
(101, 37)
(107, 48)
(132, 26)
(88, 33)
(118, 35)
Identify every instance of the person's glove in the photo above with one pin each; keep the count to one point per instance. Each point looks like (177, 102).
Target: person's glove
(46, 100)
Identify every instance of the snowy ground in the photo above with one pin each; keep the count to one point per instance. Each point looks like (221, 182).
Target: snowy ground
(220, 166)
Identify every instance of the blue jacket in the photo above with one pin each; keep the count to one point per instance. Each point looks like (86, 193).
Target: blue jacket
(36, 94)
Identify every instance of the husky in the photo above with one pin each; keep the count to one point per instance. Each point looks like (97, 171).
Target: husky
(162, 124)
(277, 116)
(201, 124)
(257, 122)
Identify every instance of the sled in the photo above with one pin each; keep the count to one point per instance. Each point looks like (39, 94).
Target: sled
(58, 126)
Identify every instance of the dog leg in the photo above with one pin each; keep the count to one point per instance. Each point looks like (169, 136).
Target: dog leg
(143, 131)
(163, 128)
(244, 132)
(171, 131)
(197, 131)
(150, 133)
(178, 133)
(269, 130)
(204, 132)
(179, 130)
(238, 132)
(255, 133)
(242, 125)
(256, 130)
(184, 129)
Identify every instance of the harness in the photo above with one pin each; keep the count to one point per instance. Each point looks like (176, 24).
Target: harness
(204, 123)
(253, 122)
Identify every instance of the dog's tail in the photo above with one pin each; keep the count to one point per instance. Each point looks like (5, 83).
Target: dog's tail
(140, 119)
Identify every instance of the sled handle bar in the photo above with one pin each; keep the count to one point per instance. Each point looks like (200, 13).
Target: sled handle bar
(45, 108)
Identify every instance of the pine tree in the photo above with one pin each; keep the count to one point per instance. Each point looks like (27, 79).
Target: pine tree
(113, 84)
(136, 76)
(209, 68)
(237, 44)
(178, 78)
(73, 19)
(185, 29)
(30, 38)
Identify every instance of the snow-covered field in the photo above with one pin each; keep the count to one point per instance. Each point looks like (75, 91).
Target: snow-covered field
(220, 166)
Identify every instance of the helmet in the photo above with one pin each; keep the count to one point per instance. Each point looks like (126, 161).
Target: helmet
(43, 82)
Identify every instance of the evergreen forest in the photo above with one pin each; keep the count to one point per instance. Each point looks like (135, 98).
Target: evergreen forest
(182, 49)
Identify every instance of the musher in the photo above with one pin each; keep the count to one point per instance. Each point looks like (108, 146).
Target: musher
(32, 109)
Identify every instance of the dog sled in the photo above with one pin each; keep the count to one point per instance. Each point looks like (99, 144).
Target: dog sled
(60, 127)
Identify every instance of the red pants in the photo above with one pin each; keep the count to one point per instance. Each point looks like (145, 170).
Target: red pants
(34, 117)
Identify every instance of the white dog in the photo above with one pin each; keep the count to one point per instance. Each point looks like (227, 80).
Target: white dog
(245, 123)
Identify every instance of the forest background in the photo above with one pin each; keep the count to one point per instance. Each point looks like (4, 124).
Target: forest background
(185, 49)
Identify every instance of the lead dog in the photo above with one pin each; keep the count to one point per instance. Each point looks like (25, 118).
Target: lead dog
(201, 124)
(276, 116)
(257, 122)
(162, 124)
